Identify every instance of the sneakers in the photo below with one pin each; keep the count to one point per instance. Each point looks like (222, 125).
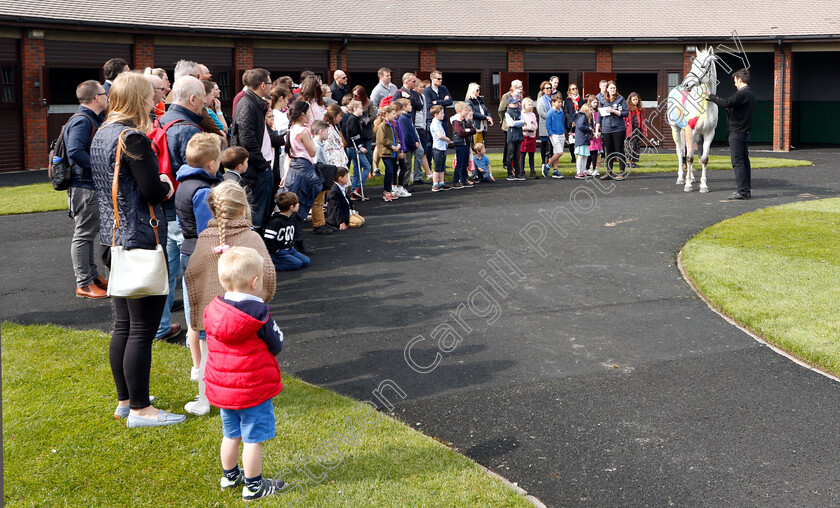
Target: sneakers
(357, 192)
(196, 408)
(229, 484)
(545, 170)
(386, 196)
(521, 177)
(443, 186)
(437, 187)
(401, 192)
(194, 374)
(511, 178)
(457, 185)
(267, 488)
(556, 174)
(581, 176)
(323, 230)
(592, 172)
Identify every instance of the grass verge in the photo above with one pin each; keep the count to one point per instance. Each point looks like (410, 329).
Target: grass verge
(37, 197)
(42, 198)
(61, 446)
(775, 271)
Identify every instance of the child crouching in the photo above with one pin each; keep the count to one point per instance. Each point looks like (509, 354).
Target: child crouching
(242, 374)
(340, 212)
(280, 235)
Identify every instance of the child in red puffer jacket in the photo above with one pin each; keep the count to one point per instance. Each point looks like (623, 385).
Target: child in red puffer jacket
(242, 375)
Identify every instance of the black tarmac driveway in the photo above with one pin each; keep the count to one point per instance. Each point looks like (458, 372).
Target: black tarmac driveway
(541, 328)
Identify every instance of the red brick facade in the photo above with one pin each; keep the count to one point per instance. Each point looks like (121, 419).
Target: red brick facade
(516, 59)
(243, 59)
(603, 59)
(781, 98)
(687, 61)
(335, 47)
(144, 51)
(34, 109)
(428, 57)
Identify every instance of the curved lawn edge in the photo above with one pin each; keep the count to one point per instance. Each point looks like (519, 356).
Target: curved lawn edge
(58, 397)
(758, 338)
(771, 273)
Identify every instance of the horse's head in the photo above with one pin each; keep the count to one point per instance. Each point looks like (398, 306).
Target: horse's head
(701, 68)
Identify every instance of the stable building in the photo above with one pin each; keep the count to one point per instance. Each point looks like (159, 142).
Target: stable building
(792, 51)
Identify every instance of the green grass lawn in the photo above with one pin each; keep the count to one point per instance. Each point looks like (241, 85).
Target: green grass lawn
(61, 446)
(38, 197)
(42, 198)
(663, 163)
(776, 271)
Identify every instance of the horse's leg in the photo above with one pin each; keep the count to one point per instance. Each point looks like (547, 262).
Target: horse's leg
(677, 134)
(704, 158)
(689, 159)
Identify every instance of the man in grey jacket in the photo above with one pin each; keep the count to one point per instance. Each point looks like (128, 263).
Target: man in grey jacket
(382, 89)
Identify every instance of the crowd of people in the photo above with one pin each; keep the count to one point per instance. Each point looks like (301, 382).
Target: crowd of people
(228, 197)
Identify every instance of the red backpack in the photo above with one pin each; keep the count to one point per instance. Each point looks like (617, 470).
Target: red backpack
(161, 147)
(385, 101)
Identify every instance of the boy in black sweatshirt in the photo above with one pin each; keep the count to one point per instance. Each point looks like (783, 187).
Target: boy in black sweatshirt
(279, 236)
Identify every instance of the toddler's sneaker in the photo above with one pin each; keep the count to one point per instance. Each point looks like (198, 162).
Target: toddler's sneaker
(267, 488)
(556, 174)
(581, 176)
(593, 172)
(229, 484)
(437, 187)
(194, 374)
(197, 408)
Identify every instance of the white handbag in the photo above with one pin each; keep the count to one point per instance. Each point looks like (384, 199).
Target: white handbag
(135, 273)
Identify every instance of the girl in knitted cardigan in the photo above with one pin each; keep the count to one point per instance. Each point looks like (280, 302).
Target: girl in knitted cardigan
(230, 226)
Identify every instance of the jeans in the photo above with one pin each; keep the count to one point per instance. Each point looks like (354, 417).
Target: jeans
(512, 158)
(362, 165)
(261, 202)
(84, 209)
(462, 156)
(522, 161)
(174, 239)
(740, 157)
(304, 181)
(288, 260)
(389, 172)
(130, 352)
(546, 150)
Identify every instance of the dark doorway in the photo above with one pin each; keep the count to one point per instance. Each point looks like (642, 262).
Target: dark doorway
(643, 83)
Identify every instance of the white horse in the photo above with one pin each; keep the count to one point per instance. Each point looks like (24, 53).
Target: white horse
(691, 115)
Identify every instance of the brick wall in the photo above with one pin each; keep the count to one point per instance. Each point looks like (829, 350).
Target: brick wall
(687, 61)
(603, 59)
(334, 49)
(243, 59)
(34, 110)
(144, 51)
(428, 57)
(516, 59)
(781, 99)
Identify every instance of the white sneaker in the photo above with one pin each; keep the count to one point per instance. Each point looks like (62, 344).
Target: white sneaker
(194, 374)
(404, 193)
(196, 408)
(593, 172)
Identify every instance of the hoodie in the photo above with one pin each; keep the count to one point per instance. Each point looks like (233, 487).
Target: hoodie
(191, 203)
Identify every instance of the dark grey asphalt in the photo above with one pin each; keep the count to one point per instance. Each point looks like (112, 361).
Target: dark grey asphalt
(605, 381)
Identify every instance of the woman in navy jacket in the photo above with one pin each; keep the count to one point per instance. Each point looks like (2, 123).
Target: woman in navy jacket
(613, 130)
(141, 189)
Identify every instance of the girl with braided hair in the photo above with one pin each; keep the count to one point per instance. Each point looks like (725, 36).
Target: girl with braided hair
(230, 226)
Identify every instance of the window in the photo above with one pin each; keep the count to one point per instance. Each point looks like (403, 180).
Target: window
(7, 84)
(673, 80)
(223, 80)
(497, 79)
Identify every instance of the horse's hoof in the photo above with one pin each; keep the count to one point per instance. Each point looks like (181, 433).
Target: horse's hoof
(704, 189)
(688, 189)
(680, 181)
